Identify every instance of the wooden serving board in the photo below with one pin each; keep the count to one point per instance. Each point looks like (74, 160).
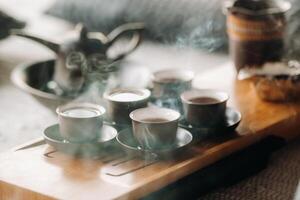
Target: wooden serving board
(37, 171)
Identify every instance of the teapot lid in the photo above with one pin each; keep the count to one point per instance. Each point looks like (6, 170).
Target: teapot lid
(258, 7)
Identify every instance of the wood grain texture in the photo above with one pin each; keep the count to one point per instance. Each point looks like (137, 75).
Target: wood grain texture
(32, 175)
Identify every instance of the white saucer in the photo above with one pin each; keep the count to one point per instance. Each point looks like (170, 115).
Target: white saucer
(53, 137)
(127, 140)
(232, 120)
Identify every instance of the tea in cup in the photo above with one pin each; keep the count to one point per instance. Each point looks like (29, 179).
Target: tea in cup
(155, 127)
(204, 108)
(80, 122)
(122, 101)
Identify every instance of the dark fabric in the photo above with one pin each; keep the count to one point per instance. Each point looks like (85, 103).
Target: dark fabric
(225, 172)
(279, 181)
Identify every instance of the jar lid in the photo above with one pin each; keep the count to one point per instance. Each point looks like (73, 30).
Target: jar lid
(257, 7)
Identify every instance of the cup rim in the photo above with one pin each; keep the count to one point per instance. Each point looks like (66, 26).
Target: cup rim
(147, 109)
(144, 93)
(221, 100)
(187, 75)
(60, 109)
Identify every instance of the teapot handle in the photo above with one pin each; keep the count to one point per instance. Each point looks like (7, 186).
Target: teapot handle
(136, 28)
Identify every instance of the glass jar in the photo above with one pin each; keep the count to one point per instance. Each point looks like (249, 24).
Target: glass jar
(256, 31)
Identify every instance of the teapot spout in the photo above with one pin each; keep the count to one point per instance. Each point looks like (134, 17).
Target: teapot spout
(51, 45)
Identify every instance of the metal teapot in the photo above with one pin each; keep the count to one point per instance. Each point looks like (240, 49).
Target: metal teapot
(75, 53)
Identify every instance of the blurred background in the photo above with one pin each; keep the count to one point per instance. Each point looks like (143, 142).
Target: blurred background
(187, 34)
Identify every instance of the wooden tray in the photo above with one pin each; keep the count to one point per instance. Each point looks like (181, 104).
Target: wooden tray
(36, 171)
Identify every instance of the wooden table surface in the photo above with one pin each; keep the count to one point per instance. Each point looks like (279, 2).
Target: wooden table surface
(28, 173)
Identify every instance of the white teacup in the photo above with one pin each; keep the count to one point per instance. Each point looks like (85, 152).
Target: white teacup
(171, 82)
(155, 127)
(204, 108)
(80, 122)
(122, 101)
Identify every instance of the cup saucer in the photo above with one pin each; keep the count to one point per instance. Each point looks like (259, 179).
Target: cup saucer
(53, 138)
(116, 125)
(126, 139)
(232, 120)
